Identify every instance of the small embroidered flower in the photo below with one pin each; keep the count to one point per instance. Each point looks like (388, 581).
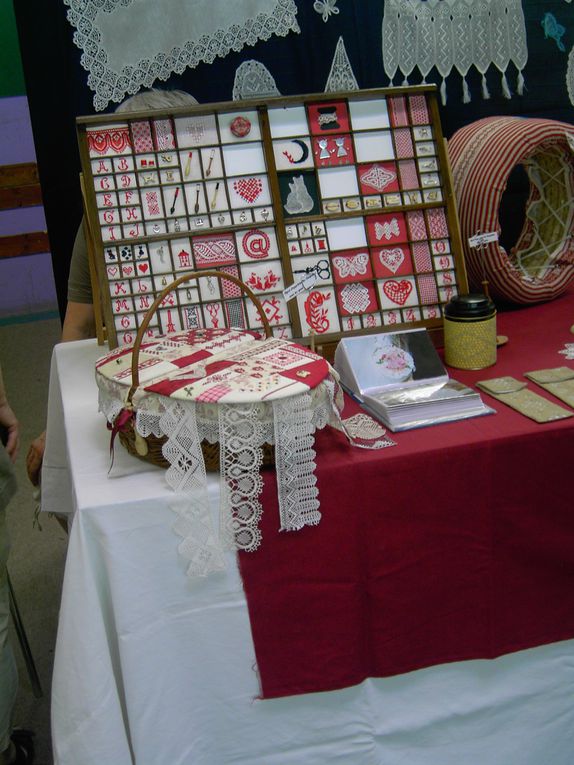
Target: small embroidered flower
(326, 8)
(553, 29)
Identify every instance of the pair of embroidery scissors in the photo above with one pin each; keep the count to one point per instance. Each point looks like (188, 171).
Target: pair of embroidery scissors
(321, 270)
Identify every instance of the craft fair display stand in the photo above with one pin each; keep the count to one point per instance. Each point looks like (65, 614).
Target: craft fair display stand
(347, 195)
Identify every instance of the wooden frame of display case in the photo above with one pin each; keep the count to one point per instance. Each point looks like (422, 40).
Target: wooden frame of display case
(349, 193)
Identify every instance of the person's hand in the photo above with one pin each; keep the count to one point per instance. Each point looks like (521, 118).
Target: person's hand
(9, 422)
(35, 457)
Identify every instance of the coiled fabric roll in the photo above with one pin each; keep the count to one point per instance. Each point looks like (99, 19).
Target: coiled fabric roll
(541, 264)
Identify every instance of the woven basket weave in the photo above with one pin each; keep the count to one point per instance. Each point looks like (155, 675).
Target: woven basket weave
(150, 448)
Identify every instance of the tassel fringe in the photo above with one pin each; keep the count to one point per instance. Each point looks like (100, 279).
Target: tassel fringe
(443, 91)
(485, 91)
(505, 87)
(520, 84)
(465, 91)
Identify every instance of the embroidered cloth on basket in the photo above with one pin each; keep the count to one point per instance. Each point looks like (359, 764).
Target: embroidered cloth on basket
(229, 387)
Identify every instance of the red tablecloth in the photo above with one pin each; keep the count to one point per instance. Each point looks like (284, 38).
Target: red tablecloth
(456, 544)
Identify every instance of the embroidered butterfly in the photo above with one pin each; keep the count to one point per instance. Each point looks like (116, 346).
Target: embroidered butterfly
(326, 8)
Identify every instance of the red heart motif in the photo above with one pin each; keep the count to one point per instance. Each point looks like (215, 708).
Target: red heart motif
(112, 270)
(392, 258)
(248, 188)
(143, 267)
(127, 270)
(398, 292)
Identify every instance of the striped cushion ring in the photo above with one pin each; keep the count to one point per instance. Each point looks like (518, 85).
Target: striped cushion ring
(541, 264)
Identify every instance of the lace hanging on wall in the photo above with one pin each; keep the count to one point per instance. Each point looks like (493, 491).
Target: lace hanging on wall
(129, 44)
(341, 76)
(570, 76)
(253, 80)
(455, 34)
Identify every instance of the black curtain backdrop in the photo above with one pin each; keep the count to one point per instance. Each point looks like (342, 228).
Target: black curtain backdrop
(58, 92)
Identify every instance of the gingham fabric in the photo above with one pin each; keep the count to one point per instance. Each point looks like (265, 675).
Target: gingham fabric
(482, 157)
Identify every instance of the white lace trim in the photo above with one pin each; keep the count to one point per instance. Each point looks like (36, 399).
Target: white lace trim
(455, 34)
(253, 80)
(123, 50)
(241, 431)
(568, 351)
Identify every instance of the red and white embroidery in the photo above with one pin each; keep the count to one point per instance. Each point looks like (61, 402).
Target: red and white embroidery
(229, 288)
(213, 310)
(248, 189)
(272, 308)
(211, 252)
(404, 143)
(427, 289)
(408, 173)
(387, 230)
(214, 393)
(421, 252)
(356, 298)
(419, 111)
(316, 313)
(398, 111)
(104, 140)
(436, 220)
(256, 244)
(352, 266)
(262, 283)
(141, 135)
(163, 130)
(152, 203)
(398, 292)
(392, 258)
(378, 177)
(417, 226)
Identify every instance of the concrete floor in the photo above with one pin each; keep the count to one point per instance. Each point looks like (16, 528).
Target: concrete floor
(36, 563)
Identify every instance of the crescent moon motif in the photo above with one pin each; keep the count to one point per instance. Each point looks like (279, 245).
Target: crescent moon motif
(304, 155)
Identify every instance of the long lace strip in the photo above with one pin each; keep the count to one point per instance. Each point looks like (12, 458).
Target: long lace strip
(241, 458)
(295, 461)
(570, 76)
(186, 476)
(450, 34)
(124, 49)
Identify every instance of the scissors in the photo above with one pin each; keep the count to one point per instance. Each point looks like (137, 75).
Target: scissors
(321, 270)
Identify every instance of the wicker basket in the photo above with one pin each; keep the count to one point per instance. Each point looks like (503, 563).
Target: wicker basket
(150, 448)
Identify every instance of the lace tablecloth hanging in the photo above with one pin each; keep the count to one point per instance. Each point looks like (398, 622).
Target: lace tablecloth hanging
(457, 34)
(246, 394)
(129, 44)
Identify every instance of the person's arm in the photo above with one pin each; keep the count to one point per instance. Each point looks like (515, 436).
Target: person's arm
(9, 422)
(79, 322)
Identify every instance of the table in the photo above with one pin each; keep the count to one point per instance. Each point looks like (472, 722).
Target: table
(152, 669)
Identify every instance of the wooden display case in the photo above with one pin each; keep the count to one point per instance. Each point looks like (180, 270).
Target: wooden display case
(346, 195)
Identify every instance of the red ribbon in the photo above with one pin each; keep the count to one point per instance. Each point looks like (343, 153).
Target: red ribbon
(120, 424)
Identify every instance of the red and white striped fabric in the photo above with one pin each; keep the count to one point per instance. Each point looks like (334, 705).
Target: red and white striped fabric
(482, 156)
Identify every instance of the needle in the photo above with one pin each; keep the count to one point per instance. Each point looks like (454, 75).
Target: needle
(188, 164)
(214, 200)
(172, 208)
(211, 156)
(197, 190)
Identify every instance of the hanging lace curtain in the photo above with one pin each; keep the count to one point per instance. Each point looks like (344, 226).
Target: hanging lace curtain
(455, 34)
(129, 44)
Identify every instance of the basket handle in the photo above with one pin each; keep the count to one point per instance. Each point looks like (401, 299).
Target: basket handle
(192, 275)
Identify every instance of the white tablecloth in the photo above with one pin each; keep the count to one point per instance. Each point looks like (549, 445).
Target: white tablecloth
(154, 670)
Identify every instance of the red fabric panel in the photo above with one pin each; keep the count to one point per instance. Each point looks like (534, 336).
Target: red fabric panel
(456, 544)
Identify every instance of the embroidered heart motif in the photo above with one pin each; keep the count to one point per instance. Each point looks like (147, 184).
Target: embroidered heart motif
(127, 270)
(248, 188)
(392, 259)
(398, 292)
(143, 267)
(112, 270)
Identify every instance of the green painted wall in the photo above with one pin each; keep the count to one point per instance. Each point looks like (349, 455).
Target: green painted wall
(11, 74)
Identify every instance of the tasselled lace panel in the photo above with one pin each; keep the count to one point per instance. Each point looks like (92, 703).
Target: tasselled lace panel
(124, 46)
(455, 34)
(295, 460)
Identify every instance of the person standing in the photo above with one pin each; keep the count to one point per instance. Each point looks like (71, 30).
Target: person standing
(15, 746)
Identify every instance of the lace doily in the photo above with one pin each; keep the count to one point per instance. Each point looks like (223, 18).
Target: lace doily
(129, 44)
(253, 79)
(457, 34)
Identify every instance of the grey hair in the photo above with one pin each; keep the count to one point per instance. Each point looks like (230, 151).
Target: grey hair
(155, 98)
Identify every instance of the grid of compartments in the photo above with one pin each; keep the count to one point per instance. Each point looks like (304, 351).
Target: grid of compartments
(346, 195)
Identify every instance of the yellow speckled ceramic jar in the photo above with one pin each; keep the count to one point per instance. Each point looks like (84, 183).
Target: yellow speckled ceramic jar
(470, 332)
